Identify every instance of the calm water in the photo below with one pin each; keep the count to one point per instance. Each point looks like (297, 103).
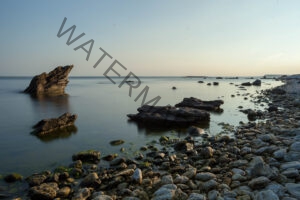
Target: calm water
(101, 108)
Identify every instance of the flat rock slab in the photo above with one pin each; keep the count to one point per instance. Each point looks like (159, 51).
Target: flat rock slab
(169, 116)
(47, 126)
(52, 83)
(203, 105)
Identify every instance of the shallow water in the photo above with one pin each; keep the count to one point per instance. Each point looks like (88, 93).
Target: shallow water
(101, 108)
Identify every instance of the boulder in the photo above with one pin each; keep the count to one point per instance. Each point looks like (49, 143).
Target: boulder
(47, 126)
(257, 82)
(51, 84)
(169, 116)
(203, 105)
(246, 84)
(90, 156)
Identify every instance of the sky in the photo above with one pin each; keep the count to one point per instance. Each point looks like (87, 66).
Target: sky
(152, 38)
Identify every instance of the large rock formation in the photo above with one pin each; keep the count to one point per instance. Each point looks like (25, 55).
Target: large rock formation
(53, 83)
(47, 126)
(169, 115)
(199, 104)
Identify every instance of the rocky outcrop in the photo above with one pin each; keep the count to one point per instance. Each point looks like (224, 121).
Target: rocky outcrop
(53, 83)
(47, 126)
(169, 115)
(203, 105)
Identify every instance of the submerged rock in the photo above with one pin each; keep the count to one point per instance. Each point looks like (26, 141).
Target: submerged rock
(53, 83)
(199, 104)
(169, 116)
(87, 156)
(47, 126)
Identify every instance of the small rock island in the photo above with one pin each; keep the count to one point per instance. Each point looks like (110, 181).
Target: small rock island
(50, 84)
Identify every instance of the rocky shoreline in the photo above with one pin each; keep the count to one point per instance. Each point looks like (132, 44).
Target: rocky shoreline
(261, 162)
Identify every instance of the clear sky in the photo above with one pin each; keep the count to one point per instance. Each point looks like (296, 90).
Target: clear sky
(160, 38)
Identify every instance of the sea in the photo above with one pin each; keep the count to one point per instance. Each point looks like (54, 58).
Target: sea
(102, 108)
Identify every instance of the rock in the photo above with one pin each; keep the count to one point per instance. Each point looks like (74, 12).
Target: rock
(279, 154)
(82, 194)
(183, 146)
(213, 195)
(169, 116)
(259, 183)
(292, 156)
(195, 131)
(167, 179)
(90, 156)
(292, 164)
(290, 173)
(190, 172)
(257, 82)
(257, 167)
(64, 192)
(209, 185)
(295, 147)
(174, 88)
(137, 176)
(246, 84)
(13, 178)
(125, 172)
(266, 194)
(101, 197)
(278, 189)
(45, 191)
(200, 81)
(116, 142)
(203, 105)
(273, 109)
(293, 189)
(205, 176)
(47, 126)
(207, 152)
(91, 180)
(166, 192)
(36, 179)
(110, 157)
(215, 83)
(53, 83)
(278, 91)
(196, 196)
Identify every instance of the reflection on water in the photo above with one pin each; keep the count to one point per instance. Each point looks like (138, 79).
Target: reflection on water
(149, 128)
(62, 133)
(42, 103)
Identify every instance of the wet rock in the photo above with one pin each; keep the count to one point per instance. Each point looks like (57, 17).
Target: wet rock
(246, 84)
(64, 192)
(137, 176)
(259, 183)
(279, 154)
(91, 180)
(213, 195)
(10, 178)
(36, 179)
(53, 125)
(257, 82)
(117, 142)
(278, 189)
(200, 81)
(273, 109)
(169, 116)
(102, 197)
(45, 191)
(183, 146)
(190, 172)
(293, 189)
(53, 83)
(266, 194)
(125, 172)
(82, 194)
(90, 156)
(215, 83)
(174, 88)
(199, 104)
(195, 131)
(110, 157)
